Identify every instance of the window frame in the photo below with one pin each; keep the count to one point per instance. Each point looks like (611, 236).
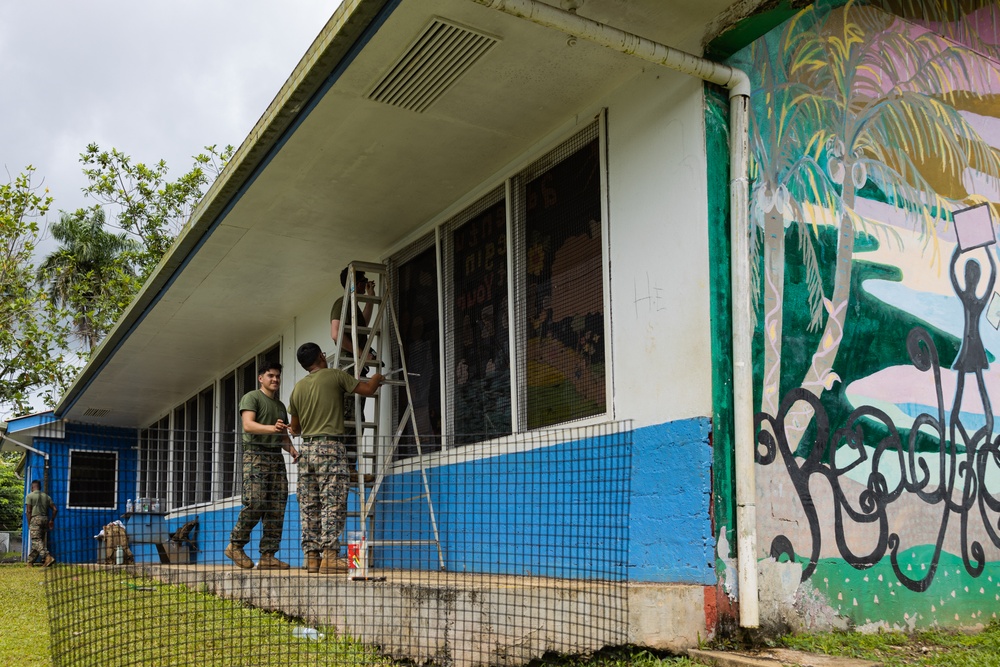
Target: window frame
(174, 459)
(456, 216)
(69, 479)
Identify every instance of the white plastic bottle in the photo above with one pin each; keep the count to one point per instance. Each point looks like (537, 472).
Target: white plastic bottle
(128, 506)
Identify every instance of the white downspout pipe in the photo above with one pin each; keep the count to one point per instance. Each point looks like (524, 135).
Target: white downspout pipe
(739, 104)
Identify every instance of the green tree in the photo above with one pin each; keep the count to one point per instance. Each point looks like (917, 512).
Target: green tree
(143, 202)
(33, 334)
(11, 492)
(90, 273)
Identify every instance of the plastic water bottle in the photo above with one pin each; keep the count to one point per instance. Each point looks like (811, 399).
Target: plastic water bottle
(120, 555)
(128, 506)
(307, 633)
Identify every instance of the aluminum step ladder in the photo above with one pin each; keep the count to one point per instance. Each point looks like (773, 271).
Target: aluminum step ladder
(372, 452)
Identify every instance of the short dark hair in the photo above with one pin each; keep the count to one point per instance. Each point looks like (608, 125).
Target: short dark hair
(343, 276)
(269, 365)
(307, 354)
(35, 483)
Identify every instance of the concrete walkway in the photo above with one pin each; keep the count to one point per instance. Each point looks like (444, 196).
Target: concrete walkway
(776, 657)
(461, 619)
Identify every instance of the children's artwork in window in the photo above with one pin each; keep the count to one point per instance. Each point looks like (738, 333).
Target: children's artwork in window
(565, 291)
(481, 340)
(418, 323)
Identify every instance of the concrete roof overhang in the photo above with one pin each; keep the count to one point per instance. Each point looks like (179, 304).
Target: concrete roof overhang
(328, 176)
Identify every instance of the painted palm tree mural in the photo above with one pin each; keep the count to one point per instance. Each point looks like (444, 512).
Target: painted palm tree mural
(872, 124)
(861, 100)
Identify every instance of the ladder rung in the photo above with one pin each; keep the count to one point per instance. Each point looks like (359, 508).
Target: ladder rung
(368, 298)
(369, 267)
(389, 543)
(363, 424)
(395, 383)
(397, 501)
(361, 330)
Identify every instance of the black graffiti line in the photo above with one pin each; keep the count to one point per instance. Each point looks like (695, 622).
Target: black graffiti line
(965, 471)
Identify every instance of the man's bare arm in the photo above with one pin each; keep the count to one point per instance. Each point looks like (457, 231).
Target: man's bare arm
(370, 386)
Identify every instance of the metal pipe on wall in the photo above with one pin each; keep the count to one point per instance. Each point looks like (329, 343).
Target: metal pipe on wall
(738, 84)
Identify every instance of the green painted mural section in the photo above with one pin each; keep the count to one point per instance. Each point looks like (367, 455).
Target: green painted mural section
(871, 124)
(874, 595)
(717, 150)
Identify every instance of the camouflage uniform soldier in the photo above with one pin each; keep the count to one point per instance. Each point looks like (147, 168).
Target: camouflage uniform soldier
(37, 506)
(317, 409)
(265, 482)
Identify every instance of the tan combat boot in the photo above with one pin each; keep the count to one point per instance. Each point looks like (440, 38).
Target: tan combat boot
(48, 561)
(269, 562)
(235, 554)
(333, 563)
(312, 562)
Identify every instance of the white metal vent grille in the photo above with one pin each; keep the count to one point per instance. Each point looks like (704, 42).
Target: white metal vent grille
(95, 412)
(435, 61)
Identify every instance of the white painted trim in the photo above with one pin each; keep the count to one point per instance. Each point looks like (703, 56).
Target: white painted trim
(510, 444)
(609, 367)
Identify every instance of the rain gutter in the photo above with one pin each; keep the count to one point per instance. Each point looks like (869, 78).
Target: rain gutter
(738, 84)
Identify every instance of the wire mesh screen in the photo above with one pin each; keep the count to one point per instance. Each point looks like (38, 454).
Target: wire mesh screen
(491, 553)
(559, 283)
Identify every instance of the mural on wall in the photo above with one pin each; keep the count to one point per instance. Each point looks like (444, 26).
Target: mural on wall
(875, 135)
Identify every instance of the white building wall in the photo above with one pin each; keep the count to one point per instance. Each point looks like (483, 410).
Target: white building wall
(660, 308)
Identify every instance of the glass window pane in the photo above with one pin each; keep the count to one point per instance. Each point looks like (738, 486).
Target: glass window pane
(227, 420)
(163, 452)
(190, 451)
(480, 343)
(177, 458)
(564, 317)
(206, 411)
(419, 331)
(92, 479)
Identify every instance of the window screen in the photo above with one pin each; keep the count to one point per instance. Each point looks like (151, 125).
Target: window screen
(561, 285)
(177, 458)
(479, 354)
(206, 412)
(419, 331)
(162, 434)
(227, 437)
(92, 479)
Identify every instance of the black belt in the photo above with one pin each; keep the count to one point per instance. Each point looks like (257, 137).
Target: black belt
(321, 438)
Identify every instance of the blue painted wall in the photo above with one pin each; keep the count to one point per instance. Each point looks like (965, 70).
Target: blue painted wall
(671, 530)
(628, 505)
(72, 539)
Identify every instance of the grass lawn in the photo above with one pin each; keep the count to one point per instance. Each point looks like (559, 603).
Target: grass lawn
(24, 617)
(939, 648)
(173, 625)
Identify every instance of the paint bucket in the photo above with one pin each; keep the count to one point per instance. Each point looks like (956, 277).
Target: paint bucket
(357, 555)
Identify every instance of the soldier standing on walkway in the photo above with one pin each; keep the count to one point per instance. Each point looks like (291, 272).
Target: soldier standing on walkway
(37, 506)
(265, 481)
(317, 409)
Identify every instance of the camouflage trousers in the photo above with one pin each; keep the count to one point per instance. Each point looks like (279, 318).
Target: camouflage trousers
(265, 494)
(37, 528)
(322, 490)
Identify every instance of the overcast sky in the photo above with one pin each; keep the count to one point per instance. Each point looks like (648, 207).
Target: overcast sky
(153, 78)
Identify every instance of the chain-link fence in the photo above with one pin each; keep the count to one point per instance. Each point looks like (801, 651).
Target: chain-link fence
(179, 548)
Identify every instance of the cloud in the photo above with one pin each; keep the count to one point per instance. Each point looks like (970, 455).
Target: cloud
(156, 79)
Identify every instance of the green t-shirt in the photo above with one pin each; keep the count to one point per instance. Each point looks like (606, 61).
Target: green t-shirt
(318, 401)
(268, 411)
(359, 316)
(40, 503)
